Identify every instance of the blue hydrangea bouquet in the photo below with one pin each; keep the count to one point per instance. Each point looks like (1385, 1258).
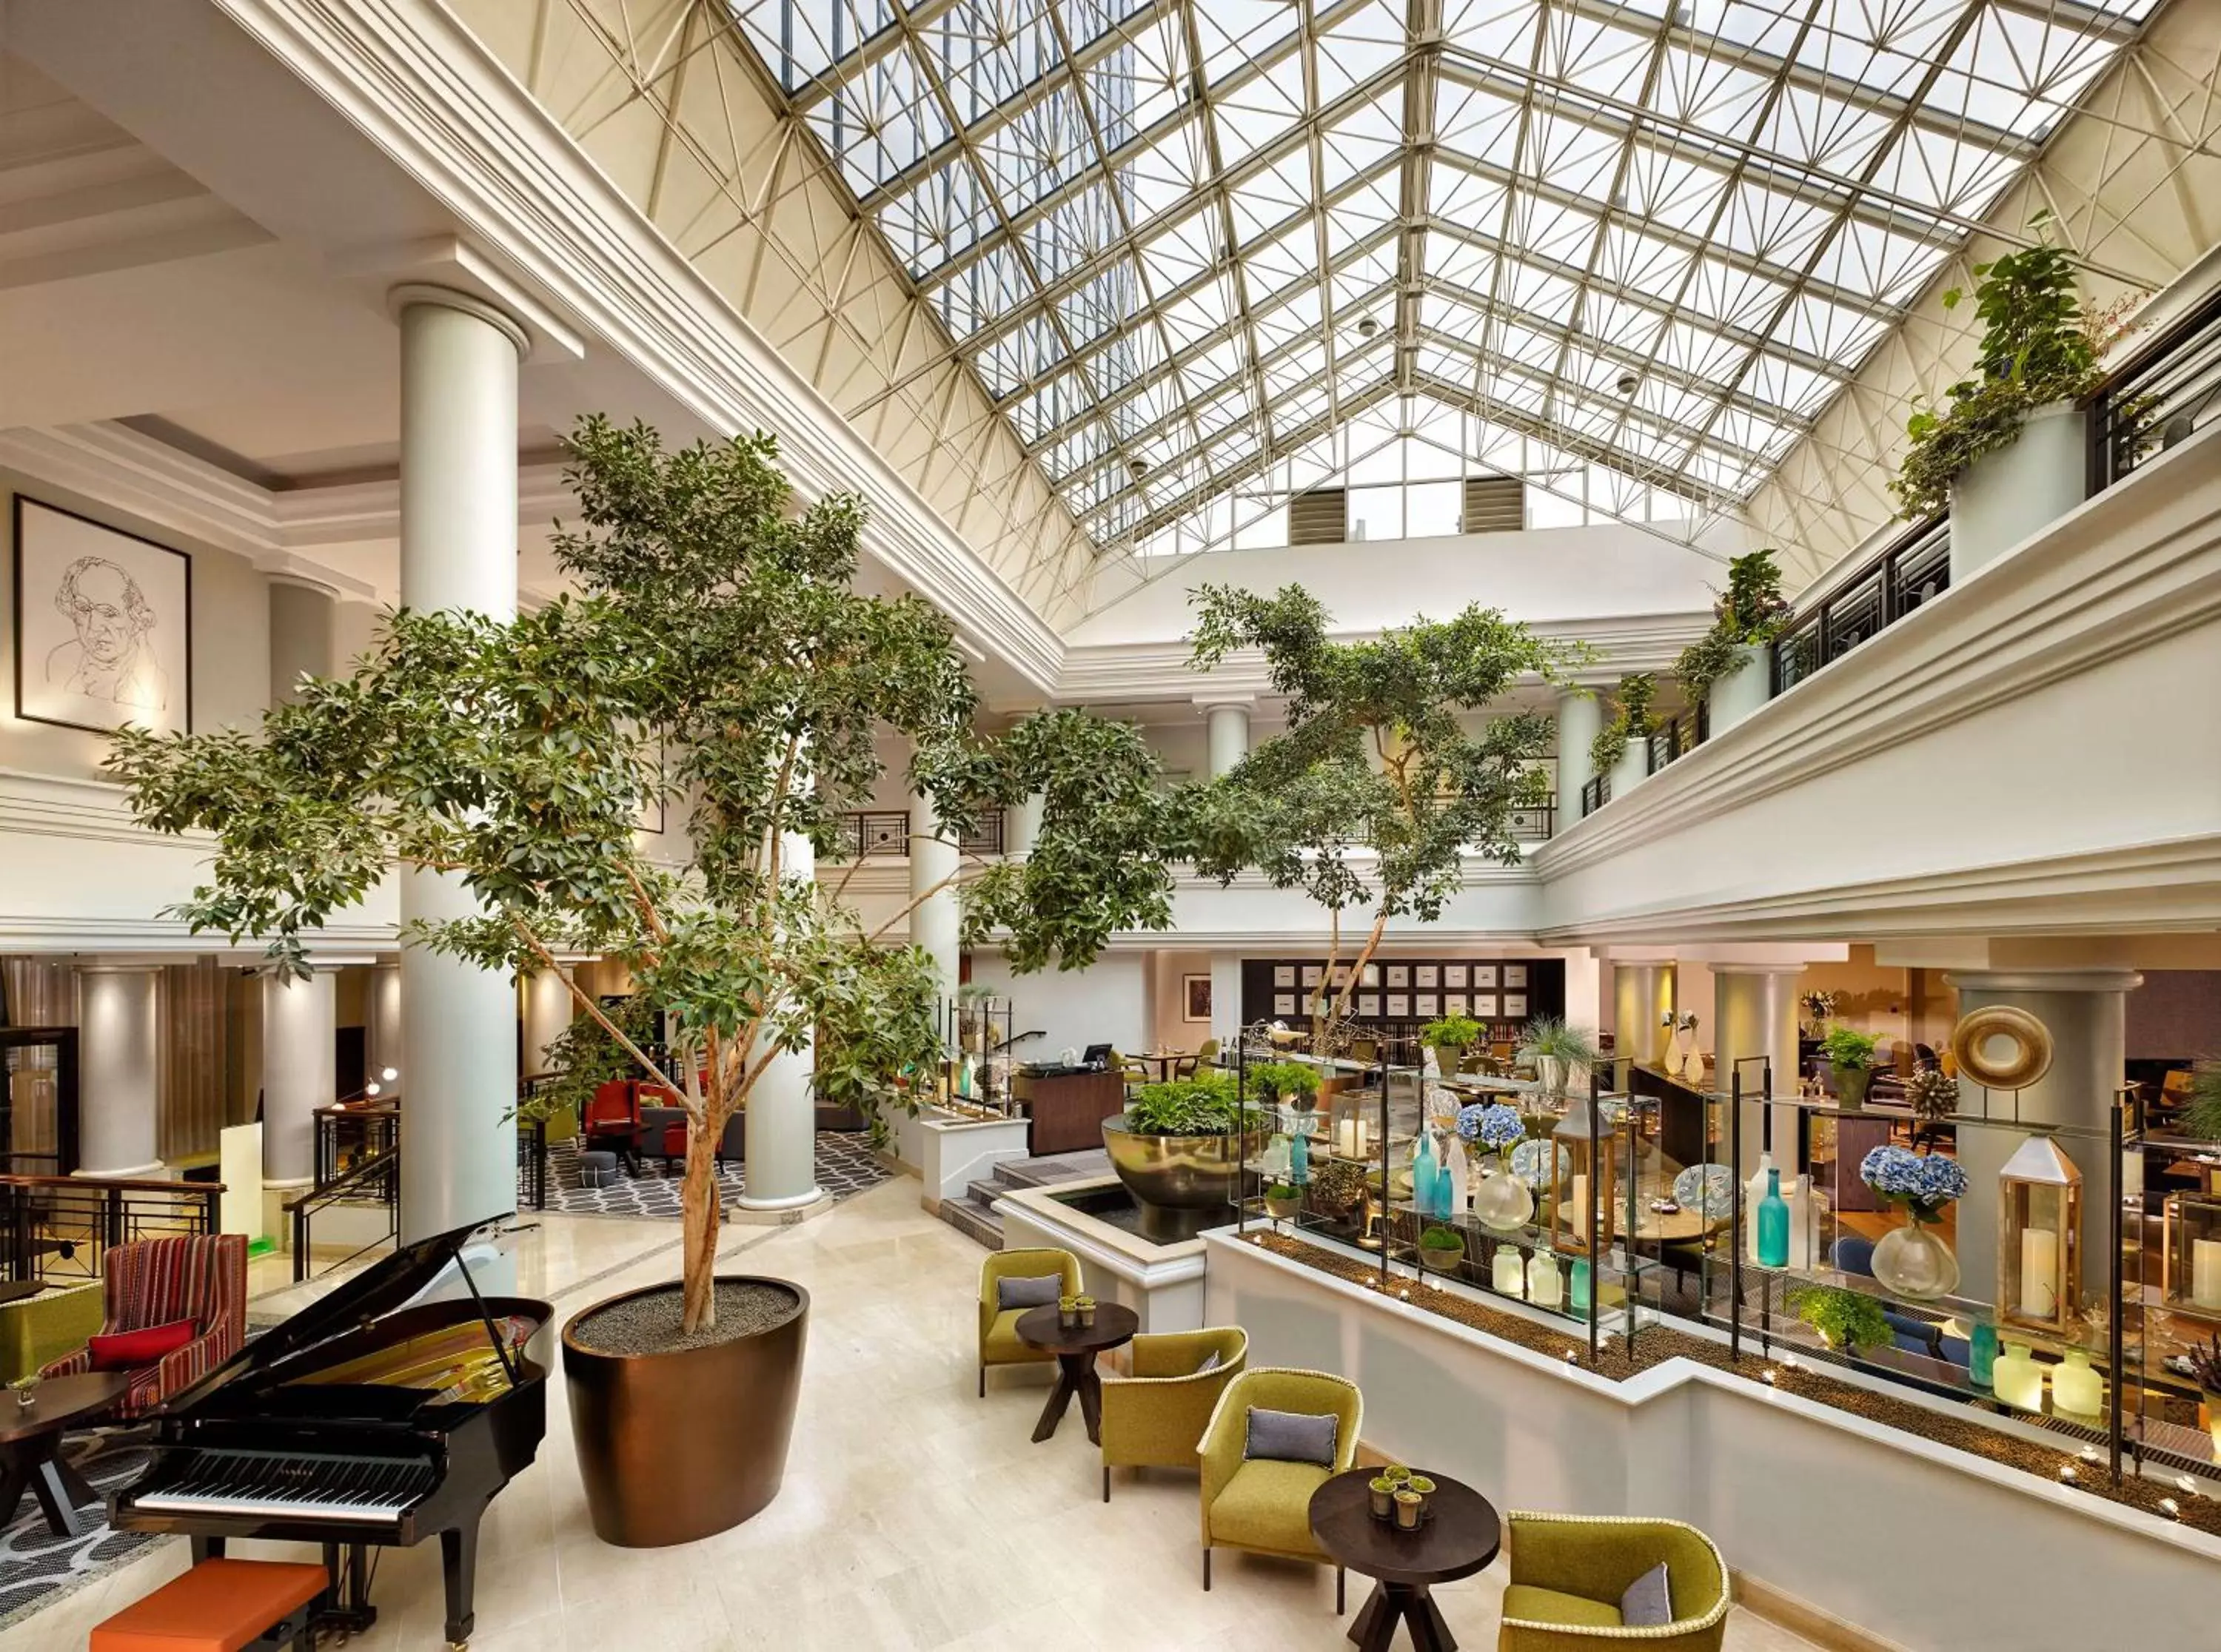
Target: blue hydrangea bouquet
(1922, 1182)
(1492, 1125)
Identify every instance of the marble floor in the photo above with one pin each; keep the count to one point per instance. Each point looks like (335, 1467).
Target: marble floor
(914, 1516)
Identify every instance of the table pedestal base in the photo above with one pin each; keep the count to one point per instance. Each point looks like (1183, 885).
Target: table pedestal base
(1409, 1604)
(1075, 1374)
(58, 1488)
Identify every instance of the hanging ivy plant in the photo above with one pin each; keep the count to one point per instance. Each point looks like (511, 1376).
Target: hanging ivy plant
(1751, 611)
(2039, 345)
(1630, 718)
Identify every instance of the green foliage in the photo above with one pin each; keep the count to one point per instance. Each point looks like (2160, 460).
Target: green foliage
(1452, 1032)
(1376, 753)
(1439, 1237)
(1751, 612)
(1210, 1104)
(1849, 1049)
(1549, 1038)
(585, 1057)
(1847, 1320)
(2039, 345)
(1631, 720)
(2201, 1115)
(1287, 1081)
(1284, 1190)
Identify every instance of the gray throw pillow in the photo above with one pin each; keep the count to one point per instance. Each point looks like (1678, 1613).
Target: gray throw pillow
(1033, 1291)
(1647, 1604)
(1292, 1436)
(1210, 1363)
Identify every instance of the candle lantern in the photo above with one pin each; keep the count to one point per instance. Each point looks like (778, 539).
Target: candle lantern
(1356, 1124)
(1578, 1167)
(2040, 1238)
(2191, 1273)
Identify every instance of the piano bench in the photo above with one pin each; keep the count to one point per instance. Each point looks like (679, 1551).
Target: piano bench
(221, 1606)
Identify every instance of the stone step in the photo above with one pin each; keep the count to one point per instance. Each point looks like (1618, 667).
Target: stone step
(976, 1222)
(984, 1194)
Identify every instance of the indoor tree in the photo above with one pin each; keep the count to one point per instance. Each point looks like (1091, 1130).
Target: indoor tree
(1378, 789)
(710, 652)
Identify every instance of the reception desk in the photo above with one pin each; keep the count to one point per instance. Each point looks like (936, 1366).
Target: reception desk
(1065, 1114)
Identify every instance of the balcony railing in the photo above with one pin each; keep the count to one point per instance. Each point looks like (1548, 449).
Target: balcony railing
(873, 834)
(1912, 570)
(1596, 792)
(57, 1230)
(2162, 395)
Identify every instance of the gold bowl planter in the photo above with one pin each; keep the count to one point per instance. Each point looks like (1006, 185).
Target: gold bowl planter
(1182, 1183)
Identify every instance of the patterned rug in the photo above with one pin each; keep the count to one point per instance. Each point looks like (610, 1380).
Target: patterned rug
(845, 1165)
(34, 1564)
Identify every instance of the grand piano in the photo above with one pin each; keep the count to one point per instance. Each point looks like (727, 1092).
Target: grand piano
(367, 1419)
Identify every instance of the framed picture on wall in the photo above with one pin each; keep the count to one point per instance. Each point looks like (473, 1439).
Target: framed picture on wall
(1399, 974)
(1515, 1006)
(1399, 1004)
(1312, 973)
(1427, 1004)
(1426, 975)
(104, 624)
(1368, 1003)
(1454, 975)
(1371, 978)
(1284, 974)
(1195, 997)
(1340, 976)
(1484, 975)
(1515, 974)
(1455, 1003)
(1484, 1006)
(1284, 1003)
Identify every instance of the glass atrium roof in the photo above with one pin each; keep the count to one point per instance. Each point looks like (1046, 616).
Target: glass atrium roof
(1204, 254)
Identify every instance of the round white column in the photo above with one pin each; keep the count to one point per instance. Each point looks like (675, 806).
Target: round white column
(119, 1085)
(1022, 824)
(2086, 1013)
(384, 1033)
(1227, 724)
(1641, 999)
(782, 1112)
(547, 1007)
(300, 637)
(1580, 718)
(300, 1035)
(936, 922)
(458, 363)
(1754, 1014)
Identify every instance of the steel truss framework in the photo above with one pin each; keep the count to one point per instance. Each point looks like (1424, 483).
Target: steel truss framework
(1199, 253)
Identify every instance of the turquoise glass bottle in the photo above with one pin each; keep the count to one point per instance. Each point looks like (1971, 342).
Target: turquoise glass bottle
(1580, 1285)
(1299, 1158)
(1773, 1225)
(1422, 1173)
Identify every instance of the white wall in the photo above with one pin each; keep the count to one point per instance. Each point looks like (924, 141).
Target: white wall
(1107, 1003)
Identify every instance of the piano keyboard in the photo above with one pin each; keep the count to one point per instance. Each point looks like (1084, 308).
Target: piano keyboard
(280, 1484)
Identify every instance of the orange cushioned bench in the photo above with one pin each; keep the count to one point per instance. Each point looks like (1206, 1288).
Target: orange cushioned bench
(221, 1605)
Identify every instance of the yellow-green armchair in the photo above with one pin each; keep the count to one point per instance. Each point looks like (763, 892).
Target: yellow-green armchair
(1264, 1507)
(998, 1333)
(1155, 1418)
(1568, 1572)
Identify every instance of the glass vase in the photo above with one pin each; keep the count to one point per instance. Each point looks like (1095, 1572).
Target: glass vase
(1502, 1203)
(1913, 1262)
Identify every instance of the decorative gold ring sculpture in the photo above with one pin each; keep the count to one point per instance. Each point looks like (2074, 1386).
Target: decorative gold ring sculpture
(2029, 1059)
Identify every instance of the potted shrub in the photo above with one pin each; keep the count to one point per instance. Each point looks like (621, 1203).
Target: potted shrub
(1283, 1199)
(1286, 1083)
(1748, 616)
(1849, 1322)
(1556, 1049)
(1449, 1038)
(710, 653)
(1850, 1056)
(1180, 1147)
(1631, 722)
(1442, 1248)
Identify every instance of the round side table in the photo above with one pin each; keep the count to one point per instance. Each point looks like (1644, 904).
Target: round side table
(1075, 1348)
(31, 1441)
(1462, 1536)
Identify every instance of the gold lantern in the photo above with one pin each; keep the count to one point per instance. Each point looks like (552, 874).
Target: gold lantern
(2192, 1276)
(2040, 1238)
(1587, 1165)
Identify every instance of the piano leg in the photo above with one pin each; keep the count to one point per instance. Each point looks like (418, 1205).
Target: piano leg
(459, 1562)
(206, 1549)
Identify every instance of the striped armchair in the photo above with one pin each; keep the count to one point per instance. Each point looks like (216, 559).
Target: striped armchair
(153, 1281)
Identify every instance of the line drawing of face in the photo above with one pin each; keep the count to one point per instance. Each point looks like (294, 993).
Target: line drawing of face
(110, 657)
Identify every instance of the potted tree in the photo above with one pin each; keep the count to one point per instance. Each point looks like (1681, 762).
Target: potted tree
(1749, 615)
(1850, 1057)
(713, 651)
(1556, 1049)
(1620, 753)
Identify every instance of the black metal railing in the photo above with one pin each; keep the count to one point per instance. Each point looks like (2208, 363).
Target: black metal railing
(873, 834)
(1912, 570)
(1676, 737)
(57, 1230)
(1534, 822)
(1596, 792)
(349, 1133)
(2163, 395)
(988, 838)
(371, 1184)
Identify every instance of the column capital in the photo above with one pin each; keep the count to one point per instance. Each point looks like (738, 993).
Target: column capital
(411, 295)
(2044, 980)
(1764, 969)
(1210, 702)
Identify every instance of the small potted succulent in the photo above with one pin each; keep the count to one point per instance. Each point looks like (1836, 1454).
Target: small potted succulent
(1380, 1496)
(1409, 1507)
(1442, 1248)
(1850, 1054)
(27, 1390)
(1085, 1306)
(1283, 1199)
(1067, 1313)
(1424, 1488)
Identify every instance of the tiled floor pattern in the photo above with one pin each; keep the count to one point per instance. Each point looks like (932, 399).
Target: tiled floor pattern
(845, 1165)
(914, 1516)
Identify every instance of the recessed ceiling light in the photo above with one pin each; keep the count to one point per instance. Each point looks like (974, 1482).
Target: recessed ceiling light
(1628, 381)
(1366, 327)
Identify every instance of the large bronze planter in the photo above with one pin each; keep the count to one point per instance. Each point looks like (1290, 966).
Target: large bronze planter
(1182, 1183)
(678, 1446)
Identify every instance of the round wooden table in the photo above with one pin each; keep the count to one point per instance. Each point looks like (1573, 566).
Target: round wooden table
(30, 1445)
(1463, 1536)
(1075, 1348)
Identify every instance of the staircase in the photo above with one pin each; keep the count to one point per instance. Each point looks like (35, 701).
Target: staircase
(974, 1216)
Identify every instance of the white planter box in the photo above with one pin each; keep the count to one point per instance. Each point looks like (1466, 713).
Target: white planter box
(1731, 699)
(954, 1152)
(2015, 495)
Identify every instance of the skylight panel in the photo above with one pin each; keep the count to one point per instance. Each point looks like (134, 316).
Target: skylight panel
(1934, 170)
(1237, 33)
(1370, 136)
(1250, 115)
(1714, 92)
(880, 123)
(1491, 28)
(1164, 174)
(1359, 46)
(1598, 56)
(1180, 252)
(1269, 198)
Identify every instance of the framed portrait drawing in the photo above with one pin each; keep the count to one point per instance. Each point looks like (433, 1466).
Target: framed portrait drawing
(1368, 1003)
(1484, 975)
(1399, 1004)
(1515, 1006)
(1484, 1006)
(1284, 1003)
(1426, 975)
(1284, 974)
(1455, 1003)
(1515, 974)
(1427, 1004)
(1195, 997)
(1454, 975)
(1399, 974)
(1312, 973)
(104, 624)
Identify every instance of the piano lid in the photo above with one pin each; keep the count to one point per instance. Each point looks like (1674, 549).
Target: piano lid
(377, 1291)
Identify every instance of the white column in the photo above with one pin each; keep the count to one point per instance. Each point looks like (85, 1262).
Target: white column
(384, 1033)
(300, 637)
(782, 1114)
(1641, 999)
(936, 921)
(547, 1007)
(1022, 824)
(1580, 717)
(119, 1084)
(1227, 721)
(1754, 1014)
(300, 1032)
(458, 362)
(1226, 999)
(2086, 1011)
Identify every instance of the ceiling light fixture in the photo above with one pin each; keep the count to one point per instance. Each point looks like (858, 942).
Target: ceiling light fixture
(1628, 382)
(1366, 327)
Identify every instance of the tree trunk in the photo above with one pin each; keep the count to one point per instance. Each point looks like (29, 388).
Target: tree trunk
(700, 1202)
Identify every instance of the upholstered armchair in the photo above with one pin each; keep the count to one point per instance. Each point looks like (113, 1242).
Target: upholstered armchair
(153, 1282)
(998, 1328)
(1568, 1572)
(1263, 1505)
(1154, 1419)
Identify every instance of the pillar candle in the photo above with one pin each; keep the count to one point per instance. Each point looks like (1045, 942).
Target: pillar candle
(2205, 1273)
(1581, 1222)
(2039, 1272)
